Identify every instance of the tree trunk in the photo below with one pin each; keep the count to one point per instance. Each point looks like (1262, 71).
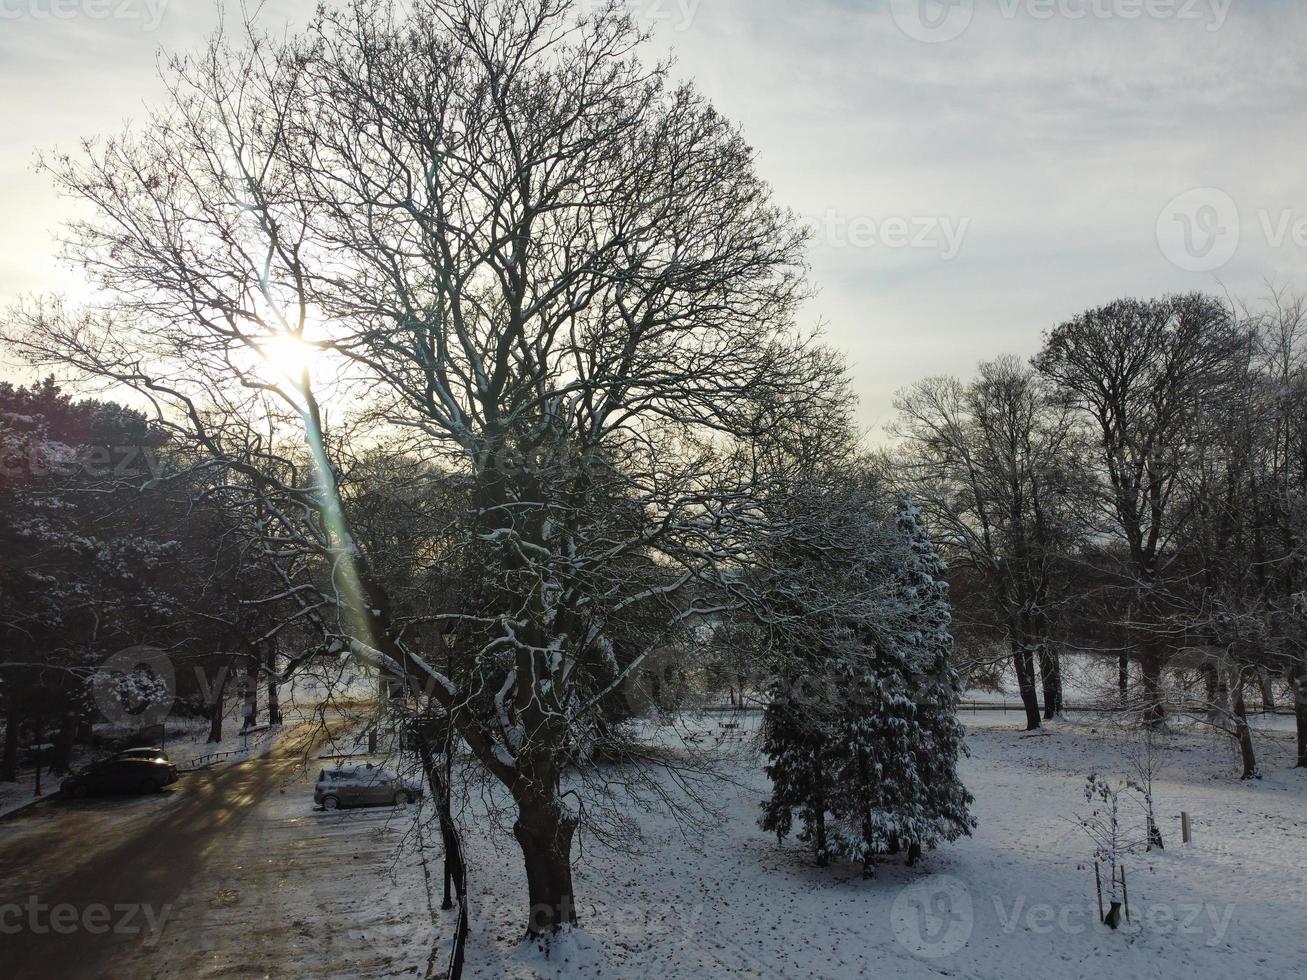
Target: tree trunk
(37, 743)
(274, 699)
(1300, 711)
(1123, 677)
(1241, 730)
(1219, 700)
(61, 759)
(1268, 691)
(1150, 667)
(250, 710)
(9, 759)
(544, 833)
(216, 707)
(1050, 676)
(1023, 662)
(868, 867)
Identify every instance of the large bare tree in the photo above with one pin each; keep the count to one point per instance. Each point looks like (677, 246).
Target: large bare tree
(994, 465)
(556, 273)
(1142, 374)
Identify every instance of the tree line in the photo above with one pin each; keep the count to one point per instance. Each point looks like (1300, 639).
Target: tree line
(1135, 490)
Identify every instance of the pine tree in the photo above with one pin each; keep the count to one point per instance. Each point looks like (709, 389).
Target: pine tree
(870, 765)
(899, 733)
(799, 771)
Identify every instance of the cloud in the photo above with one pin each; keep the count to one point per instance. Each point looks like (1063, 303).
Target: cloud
(1059, 139)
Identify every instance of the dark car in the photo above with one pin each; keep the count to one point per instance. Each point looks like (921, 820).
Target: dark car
(363, 786)
(117, 775)
(141, 752)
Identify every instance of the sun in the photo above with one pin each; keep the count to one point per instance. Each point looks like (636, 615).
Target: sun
(290, 355)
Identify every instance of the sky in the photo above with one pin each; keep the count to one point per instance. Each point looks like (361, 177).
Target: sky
(974, 171)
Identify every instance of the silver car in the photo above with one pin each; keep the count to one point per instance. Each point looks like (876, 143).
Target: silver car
(363, 786)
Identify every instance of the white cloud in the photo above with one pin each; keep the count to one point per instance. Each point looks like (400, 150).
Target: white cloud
(1060, 140)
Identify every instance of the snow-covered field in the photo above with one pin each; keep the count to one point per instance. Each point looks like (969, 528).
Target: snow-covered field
(1015, 900)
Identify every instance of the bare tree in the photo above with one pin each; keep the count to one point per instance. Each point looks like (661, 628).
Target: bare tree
(1142, 374)
(557, 275)
(993, 464)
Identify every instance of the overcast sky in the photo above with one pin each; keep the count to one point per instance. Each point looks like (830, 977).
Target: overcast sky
(975, 173)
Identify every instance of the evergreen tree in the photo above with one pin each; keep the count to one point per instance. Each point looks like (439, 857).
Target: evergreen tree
(899, 735)
(867, 753)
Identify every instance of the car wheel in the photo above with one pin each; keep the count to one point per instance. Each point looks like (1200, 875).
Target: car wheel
(149, 786)
(401, 798)
(330, 803)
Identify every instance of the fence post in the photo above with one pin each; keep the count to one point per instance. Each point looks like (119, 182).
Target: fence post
(1184, 827)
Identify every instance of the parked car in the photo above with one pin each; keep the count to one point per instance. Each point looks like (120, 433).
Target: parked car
(363, 786)
(142, 752)
(116, 775)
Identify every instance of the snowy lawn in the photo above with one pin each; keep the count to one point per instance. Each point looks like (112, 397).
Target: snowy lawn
(1015, 900)
(302, 893)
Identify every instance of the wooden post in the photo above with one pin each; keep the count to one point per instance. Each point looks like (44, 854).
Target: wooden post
(1125, 895)
(1184, 827)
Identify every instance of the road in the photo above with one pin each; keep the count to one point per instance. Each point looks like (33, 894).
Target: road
(86, 884)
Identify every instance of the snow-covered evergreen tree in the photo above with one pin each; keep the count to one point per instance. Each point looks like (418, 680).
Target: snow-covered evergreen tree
(867, 755)
(899, 734)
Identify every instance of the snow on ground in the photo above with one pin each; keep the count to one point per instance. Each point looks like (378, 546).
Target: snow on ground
(1016, 900)
(303, 893)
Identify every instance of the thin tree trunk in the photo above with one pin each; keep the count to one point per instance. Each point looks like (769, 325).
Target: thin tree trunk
(274, 698)
(9, 759)
(216, 706)
(1211, 688)
(868, 867)
(1150, 664)
(1268, 691)
(819, 818)
(62, 757)
(1300, 713)
(1050, 676)
(1023, 662)
(427, 738)
(250, 710)
(1242, 732)
(36, 745)
(1123, 677)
